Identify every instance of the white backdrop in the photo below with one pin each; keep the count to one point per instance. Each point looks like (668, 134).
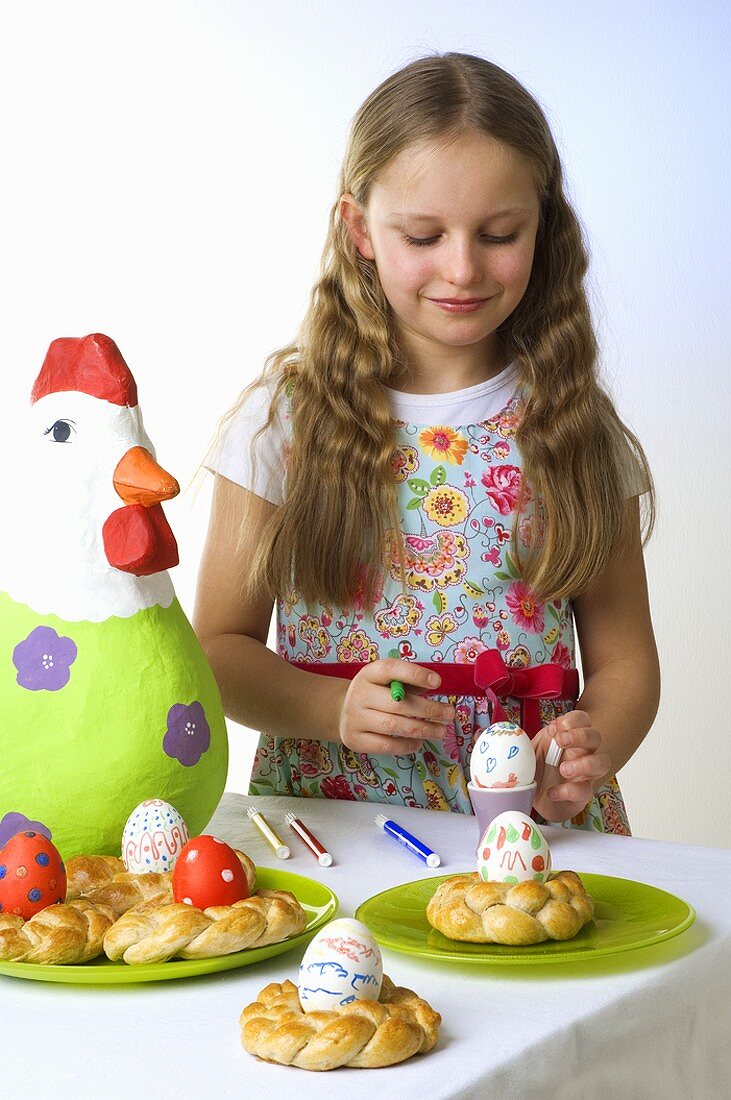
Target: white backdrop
(167, 170)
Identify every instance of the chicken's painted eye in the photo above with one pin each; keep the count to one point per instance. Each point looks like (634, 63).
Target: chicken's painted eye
(61, 430)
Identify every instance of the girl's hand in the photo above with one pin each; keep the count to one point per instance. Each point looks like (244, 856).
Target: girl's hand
(583, 766)
(372, 722)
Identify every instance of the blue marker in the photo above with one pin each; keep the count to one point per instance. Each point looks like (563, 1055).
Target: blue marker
(408, 841)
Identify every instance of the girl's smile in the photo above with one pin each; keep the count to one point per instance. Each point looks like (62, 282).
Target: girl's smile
(460, 305)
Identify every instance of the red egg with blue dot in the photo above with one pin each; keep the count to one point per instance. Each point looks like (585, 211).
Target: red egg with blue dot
(32, 875)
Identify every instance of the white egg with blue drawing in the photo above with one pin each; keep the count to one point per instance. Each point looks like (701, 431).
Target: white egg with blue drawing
(342, 964)
(503, 757)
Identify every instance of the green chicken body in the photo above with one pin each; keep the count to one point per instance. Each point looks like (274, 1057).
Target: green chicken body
(139, 717)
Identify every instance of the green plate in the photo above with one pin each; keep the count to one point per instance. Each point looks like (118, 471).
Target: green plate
(318, 902)
(627, 915)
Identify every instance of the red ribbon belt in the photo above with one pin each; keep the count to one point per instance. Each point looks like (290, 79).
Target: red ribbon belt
(489, 676)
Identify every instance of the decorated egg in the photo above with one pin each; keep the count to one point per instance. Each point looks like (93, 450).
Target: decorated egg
(342, 964)
(32, 874)
(503, 756)
(209, 872)
(153, 837)
(513, 849)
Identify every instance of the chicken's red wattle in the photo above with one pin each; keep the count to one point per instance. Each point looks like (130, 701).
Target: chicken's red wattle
(138, 540)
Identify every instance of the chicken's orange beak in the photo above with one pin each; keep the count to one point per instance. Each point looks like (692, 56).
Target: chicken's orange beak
(139, 480)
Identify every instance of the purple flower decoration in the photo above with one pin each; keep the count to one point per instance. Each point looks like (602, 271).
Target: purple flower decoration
(43, 660)
(188, 734)
(13, 823)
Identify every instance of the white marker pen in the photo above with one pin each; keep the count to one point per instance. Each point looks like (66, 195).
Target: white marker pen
(268, 833)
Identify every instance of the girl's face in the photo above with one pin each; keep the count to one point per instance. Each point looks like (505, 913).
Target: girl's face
(450, 222)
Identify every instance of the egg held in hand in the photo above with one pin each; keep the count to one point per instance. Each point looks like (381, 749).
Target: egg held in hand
(513, 849)
(342, 964)
(153, 837)
(208, 872)
(503, 756)
(32, 875)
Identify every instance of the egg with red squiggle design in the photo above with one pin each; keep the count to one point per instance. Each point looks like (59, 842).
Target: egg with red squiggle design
(32, 875)
(153, 837)
(513, 849)
(208, 872)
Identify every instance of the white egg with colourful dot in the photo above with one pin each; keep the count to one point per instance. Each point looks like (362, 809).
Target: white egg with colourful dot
(153, 837)
(513, 849)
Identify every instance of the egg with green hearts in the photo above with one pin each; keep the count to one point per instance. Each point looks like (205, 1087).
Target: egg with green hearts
(208, 872)
(32, 875)
(513, 849)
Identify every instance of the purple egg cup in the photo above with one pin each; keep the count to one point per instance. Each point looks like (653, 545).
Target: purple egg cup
(488, 802)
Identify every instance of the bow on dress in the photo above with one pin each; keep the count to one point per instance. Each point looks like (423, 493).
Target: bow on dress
(529, 685)
(489, 676)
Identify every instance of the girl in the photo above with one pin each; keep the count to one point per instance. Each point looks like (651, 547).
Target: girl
(431, 482)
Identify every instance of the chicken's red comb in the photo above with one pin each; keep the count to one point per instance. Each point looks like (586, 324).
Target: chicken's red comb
(87, 364)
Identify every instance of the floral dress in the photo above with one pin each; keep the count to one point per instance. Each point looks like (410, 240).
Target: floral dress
(463, 598)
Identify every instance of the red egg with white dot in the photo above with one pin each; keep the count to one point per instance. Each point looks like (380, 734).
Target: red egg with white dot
(208, 872)
(32, 875)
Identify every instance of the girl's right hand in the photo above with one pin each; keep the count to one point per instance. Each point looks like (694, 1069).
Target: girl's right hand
(372, 722)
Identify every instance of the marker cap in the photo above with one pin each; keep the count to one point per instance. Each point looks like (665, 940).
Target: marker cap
(554, 754)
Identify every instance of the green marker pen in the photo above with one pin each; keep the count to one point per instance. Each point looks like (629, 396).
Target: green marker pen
(398, 691)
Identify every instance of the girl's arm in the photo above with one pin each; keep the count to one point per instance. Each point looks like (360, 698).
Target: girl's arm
(260, 689)
(621, 681)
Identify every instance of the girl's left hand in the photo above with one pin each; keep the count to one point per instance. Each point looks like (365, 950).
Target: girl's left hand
(583, 766)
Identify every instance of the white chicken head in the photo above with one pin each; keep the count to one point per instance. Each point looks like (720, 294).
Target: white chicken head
(93, 540)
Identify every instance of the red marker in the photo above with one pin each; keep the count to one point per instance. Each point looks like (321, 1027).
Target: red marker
(322, 856)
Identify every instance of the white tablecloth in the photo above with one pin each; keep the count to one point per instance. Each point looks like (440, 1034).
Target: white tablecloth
(647, 1023)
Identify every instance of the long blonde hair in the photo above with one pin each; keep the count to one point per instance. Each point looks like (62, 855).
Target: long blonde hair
(327, 540)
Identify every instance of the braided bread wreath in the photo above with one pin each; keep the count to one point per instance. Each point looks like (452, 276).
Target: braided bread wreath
(134, 918)
(466, 908)
(362, 1035)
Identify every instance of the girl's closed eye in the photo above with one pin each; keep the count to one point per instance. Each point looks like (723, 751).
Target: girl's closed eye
(422, 242)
